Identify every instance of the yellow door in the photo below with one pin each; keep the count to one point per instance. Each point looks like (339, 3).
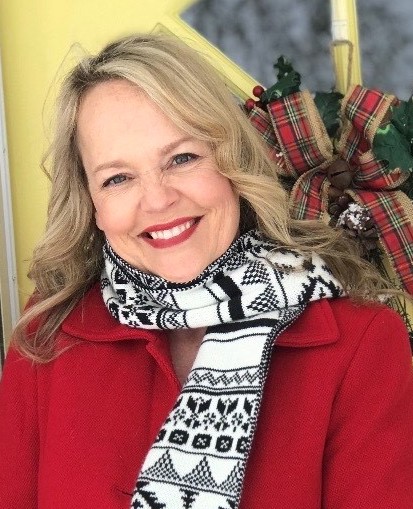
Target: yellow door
(40, 39)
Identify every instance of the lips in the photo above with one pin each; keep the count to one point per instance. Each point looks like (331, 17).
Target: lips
(170, 234)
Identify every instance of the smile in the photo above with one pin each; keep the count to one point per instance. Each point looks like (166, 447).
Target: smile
(173, 232)
(170, 234)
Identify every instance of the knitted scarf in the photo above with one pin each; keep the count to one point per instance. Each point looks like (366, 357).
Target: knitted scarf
(245, 298)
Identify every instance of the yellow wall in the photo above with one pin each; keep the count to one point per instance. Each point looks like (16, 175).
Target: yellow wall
(35, 38)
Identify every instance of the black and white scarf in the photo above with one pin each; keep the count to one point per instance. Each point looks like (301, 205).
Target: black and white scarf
(246, 298)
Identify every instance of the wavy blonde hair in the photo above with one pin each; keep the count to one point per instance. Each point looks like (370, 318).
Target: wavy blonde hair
(68, 259)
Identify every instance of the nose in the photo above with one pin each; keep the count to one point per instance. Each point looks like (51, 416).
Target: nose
(157, 194)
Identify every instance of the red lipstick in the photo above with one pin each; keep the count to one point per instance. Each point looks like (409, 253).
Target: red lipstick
(172, 234)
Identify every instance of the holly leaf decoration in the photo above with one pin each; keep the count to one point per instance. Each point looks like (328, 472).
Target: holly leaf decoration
(391, 145)
(284, 67)
(328, 105)
(289, 81)
(285, 86)
(402, 118)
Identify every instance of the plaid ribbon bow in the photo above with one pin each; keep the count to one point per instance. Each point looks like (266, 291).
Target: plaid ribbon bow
(299, 143)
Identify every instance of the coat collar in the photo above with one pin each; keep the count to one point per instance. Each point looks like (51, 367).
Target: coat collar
(90, 320)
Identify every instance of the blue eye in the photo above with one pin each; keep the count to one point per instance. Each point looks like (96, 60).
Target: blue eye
(183, 158)
(115, 180)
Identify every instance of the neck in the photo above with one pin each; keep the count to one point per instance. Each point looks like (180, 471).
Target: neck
(184, 345)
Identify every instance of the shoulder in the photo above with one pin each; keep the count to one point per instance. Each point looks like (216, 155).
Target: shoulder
(326, 320)
(346, 358)
(329, 319)
(347, 312)
(339, 332)
(375, 325)
(90, 320)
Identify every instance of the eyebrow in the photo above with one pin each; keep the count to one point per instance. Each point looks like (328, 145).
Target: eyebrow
(171, 146)
(120, 163)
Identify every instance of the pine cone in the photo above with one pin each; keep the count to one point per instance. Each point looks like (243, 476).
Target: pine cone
(358, 224)
(339, 202)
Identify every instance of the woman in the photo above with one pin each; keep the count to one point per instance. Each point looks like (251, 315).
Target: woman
(144, 373)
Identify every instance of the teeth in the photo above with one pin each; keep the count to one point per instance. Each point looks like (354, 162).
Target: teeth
(173, 232)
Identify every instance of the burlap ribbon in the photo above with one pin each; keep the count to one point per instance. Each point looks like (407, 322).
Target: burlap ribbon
(299, 143)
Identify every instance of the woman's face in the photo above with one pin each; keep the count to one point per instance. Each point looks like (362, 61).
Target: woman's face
(158, 195)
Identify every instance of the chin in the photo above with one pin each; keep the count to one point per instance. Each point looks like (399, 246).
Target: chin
(181, 276)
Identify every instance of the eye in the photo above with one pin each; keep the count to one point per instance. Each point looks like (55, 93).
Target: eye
(183, 159)
(115, 180)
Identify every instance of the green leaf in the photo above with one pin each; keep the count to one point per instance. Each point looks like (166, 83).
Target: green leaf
(288, 81)
(284, 67)
(287, 85)
(390, 145)
(402, 118)
(328, 105)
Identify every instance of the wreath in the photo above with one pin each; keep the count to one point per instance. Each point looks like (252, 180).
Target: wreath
(346, 160)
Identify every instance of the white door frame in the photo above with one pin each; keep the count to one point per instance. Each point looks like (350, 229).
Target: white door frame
(8, 273)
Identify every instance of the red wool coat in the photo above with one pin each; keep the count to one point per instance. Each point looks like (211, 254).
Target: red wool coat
(335, 429)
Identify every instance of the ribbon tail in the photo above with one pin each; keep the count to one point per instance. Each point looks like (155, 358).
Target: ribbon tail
(309, 196)
(300, 132)
(391, 211)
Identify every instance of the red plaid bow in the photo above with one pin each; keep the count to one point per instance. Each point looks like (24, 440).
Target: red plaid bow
(299, 143)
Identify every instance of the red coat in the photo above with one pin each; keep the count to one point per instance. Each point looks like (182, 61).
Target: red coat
(335, 430)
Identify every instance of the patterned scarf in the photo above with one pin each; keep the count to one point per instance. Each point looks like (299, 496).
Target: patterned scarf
(246, 298)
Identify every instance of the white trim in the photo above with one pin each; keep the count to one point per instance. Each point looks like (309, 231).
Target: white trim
(339, 20)
(10, 308)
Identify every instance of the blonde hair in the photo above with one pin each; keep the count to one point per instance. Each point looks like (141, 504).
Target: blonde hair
(68, 259)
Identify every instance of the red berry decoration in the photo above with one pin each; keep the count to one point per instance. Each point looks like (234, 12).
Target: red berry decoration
(249, 104)
(258, 90)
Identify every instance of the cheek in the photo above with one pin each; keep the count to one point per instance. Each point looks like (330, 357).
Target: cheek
(112, 217)
(233, 211)
(225, 204)
(216, 191)
(229, 199)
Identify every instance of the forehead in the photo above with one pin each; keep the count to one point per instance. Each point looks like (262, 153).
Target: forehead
(118, 106)
(109, 94)
(118, 122)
